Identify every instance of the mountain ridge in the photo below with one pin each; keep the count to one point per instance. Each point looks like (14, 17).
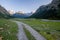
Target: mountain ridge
(48, 11)
(3, 12)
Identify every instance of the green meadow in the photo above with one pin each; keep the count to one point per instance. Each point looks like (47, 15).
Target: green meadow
(49, 29)
(8, 30)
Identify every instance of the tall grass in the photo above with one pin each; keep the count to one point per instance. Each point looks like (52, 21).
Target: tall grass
(9, 30)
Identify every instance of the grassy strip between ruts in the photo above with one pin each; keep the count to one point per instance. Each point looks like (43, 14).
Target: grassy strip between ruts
(8, 30)
(28, 34)
(50, 30)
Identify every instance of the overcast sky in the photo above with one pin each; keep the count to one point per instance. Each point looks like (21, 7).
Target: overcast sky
(23, 5)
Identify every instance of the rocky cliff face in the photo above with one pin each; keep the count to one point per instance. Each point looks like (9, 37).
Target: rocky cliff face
(51, 10)
(54, 4)
(3, 12)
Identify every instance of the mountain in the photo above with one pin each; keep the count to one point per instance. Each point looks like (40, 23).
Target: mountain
(21, 15)
(11, 12)
(50, 11)
(3, 12)
(29, 14)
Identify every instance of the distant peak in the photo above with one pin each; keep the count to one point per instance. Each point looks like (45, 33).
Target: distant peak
(21, 12)
(11, 11)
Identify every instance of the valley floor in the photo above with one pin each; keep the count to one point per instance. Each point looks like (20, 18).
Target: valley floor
(49, 29)
(34, 29)
(22, 35)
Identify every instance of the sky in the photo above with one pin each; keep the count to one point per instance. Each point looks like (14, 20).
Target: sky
(23, 5)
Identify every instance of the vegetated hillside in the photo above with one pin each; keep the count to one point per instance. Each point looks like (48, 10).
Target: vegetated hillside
(50, 11)
(3, 12)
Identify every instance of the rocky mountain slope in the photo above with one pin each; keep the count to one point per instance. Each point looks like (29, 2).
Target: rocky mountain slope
(3, 12)
(50, 11)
